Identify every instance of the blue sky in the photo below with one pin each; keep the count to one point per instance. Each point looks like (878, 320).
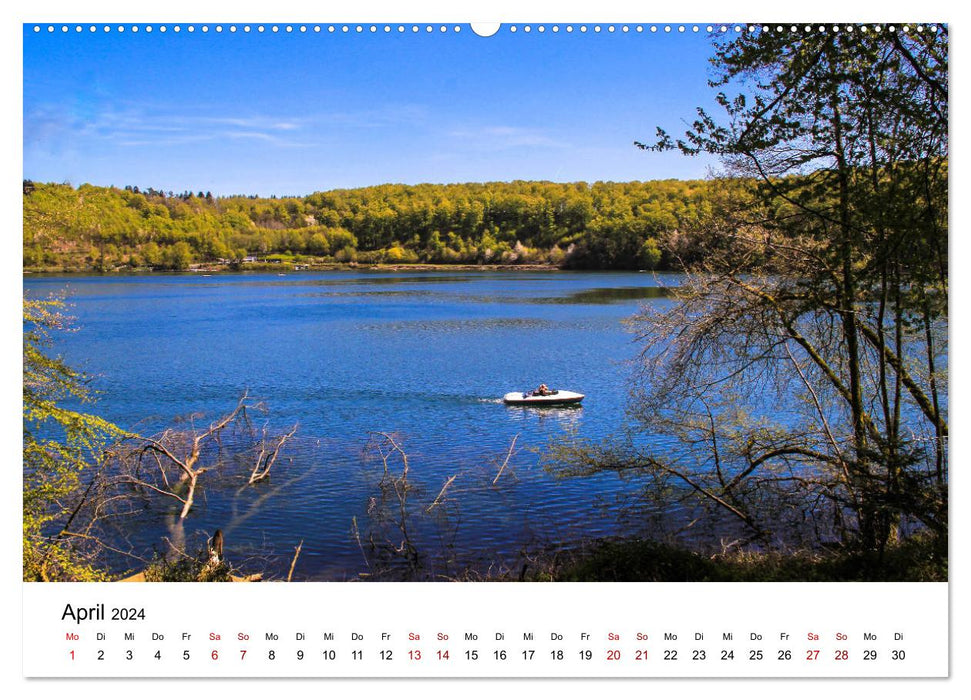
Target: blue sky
(292, 113)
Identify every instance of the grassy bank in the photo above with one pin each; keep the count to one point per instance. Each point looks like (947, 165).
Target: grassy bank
(918, 558)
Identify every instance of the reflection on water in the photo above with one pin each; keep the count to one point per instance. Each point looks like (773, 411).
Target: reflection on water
(426, 357)
(608, 295)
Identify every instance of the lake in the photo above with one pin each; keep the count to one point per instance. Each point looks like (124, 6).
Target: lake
(423, 356)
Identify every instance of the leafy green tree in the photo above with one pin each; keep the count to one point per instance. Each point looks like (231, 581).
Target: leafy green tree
(62, 446)
(650, 255)
(318, 244)
(178, 256)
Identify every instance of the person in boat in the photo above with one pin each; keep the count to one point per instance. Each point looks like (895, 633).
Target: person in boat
(543, 390)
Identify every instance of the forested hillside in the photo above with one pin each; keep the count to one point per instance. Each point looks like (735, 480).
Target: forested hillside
(602, 225)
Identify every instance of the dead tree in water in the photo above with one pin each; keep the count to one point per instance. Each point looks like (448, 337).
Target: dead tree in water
(390, 509)
(171, 463)
(164, 450)
(267, 457)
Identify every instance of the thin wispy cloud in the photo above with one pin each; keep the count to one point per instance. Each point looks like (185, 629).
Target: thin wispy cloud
(144, 127)
(502, 137)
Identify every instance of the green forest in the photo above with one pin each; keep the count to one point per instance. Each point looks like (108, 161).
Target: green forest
(601, 225)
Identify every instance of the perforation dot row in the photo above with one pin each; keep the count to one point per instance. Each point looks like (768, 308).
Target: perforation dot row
(414, 28)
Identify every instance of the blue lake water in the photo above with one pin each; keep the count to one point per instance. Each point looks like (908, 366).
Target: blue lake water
(425, 356)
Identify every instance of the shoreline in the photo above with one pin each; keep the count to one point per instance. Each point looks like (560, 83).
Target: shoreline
(327, 267)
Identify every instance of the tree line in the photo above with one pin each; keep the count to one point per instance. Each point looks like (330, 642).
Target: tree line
(601, 225)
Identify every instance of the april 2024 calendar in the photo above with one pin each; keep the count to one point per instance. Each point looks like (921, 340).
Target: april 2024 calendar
(514, 350)
(511, 630)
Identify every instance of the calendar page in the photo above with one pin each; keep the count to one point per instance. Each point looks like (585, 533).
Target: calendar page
(414, 347)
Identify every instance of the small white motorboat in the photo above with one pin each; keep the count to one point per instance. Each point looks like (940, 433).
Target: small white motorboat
(558, 397)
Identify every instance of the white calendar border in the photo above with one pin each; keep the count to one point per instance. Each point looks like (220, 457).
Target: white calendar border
(426, 10)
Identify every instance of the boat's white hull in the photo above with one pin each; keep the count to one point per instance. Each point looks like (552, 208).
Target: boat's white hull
(560, 398)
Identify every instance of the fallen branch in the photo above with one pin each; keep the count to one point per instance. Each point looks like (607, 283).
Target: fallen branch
(512, 446)
(295, 555)
(441, 493)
